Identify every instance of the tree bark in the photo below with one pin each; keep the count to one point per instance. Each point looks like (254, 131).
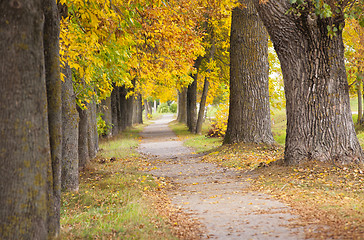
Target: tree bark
(115, 111)
(135, 109)
(182, 105)
(249, 113)
(319, 122)
(83, 154)
(191, 105)
(54, 100)
(92, 130)
(201, 112)
(140, 109)
(70, 120)
(192, 98)
(24, 135)
(130, 110)
(123, 109)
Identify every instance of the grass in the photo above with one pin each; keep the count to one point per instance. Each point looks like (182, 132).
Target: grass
(115, 200)
(200, 143)
(279, 122)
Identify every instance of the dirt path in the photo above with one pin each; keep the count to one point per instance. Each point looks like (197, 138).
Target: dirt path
(218, 197)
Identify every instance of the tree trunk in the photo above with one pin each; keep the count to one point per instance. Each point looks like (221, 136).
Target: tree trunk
(24, 135)
(130, 110)
(182, 105)
(69, 134)
(115, 111)
(135, 109)
(191, 105)
(201, 112)
(123, 106)
(54, 102)
(92, 130)
(150, 108)
(83, 154)
(249, 113)
(140, 109)
(319, 122)
(192, 98)
(155, 106)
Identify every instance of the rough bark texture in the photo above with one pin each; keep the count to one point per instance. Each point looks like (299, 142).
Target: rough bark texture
(24, 139)
(70, 120)
(319, 122)
(249, 113)
(201, 112)
(192, 98)
(191, 105)
(83, 155)
(182, 105)
(54, 100)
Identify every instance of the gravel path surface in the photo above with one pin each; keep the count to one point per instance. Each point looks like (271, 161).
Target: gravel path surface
(218, 197)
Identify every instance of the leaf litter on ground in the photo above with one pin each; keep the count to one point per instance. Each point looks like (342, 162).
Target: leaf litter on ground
(329, 196)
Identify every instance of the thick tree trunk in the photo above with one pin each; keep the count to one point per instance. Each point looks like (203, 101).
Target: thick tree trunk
(182, 105)
(249, 113)
(24, 134)
(115, 111)
(54, 100)
(83, 154)
(69, 135)
(201, 112)
(319, 122)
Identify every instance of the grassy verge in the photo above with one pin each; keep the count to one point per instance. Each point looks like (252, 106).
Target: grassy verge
(117, 201)
(200, 143)
(279, 122)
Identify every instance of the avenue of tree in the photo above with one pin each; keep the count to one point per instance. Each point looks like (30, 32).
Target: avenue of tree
(73, 70)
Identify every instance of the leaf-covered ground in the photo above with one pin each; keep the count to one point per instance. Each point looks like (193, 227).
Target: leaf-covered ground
(329, 196)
